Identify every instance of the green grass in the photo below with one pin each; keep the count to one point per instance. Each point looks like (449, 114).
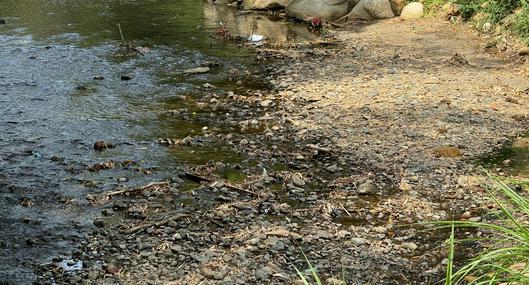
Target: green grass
(505, 259)
(313, 273)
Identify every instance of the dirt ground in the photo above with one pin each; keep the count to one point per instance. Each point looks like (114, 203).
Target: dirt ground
(358, 140)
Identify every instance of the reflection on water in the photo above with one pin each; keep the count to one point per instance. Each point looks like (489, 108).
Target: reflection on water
(246, 24)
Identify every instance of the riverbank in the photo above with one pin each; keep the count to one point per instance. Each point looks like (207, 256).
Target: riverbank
(380, 129)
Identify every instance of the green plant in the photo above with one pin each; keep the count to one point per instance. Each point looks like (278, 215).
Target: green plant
(505, 259)
(499, 9)
(314, 274)
(469, 7)
(450, 263)
(521, 24)
(312, 271)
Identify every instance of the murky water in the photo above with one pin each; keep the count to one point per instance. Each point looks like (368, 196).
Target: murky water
(512, 160)
(52, 108)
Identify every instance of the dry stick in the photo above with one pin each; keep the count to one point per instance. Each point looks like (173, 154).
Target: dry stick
(120, 192)
(120, 33)
(198, 178)
(157, 224)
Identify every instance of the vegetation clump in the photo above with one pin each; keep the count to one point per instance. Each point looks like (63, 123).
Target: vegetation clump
(509, 15)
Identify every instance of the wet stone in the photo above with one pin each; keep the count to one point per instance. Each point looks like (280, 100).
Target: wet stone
(100, 223)
(101, 145)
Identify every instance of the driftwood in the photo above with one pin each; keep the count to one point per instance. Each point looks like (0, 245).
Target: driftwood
(199, 179)
(105, 197)
(144, 226)
(126, 191)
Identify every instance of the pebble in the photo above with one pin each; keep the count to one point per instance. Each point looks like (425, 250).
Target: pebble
(359, 241)
(298, 180)
(409, 245)
(265, 103)
(380, 230)
(366, 188)
(333, 168)
(263, 273)
(100, 223)
(523, 51)
(101, 145)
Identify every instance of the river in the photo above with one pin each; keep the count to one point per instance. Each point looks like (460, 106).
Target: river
(66, 83)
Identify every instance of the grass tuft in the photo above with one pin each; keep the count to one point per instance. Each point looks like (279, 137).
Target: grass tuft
(505, 259)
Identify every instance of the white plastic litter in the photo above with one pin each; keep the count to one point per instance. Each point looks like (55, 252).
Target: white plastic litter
(256, 38)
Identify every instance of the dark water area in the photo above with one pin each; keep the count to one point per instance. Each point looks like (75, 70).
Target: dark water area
(512, 160)
(52, 108)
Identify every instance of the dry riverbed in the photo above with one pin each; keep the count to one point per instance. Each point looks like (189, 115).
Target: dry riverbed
(357, 140)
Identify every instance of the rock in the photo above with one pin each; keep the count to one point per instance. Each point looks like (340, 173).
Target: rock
(380, 229)
(298, 180)
(321, 234)
(413, 10)
(371, 10)
(379, 9)
(100, 223)
(451, 9)
(2, 21)
(366, 188)
(265, 103)
(101, 145)
(111, 269)
(359, 241)
(397, 6)
(474, 219)
(265, 4)
(325, 9)
(523, 51)
(126, 77)
(409, 246)
(197, 70)
(352, 4)
(263, 273)
(335, 281)
(333, 168)
(275, 243)
(208, 273)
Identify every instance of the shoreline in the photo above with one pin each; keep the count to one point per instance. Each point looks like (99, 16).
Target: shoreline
(356, 141)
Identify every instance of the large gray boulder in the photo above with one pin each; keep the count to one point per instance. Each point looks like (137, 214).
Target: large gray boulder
(265, 4)
(325, 9)
(371, 10)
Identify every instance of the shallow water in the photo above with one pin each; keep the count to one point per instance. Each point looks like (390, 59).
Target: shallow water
(512, 159)
(52, 109)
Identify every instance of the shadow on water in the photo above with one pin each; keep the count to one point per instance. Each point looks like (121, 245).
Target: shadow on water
(62, 89)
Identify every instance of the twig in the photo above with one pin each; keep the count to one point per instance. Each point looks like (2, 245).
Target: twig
(157, 224)
(198, 178)
(121, 192)
(120, 33)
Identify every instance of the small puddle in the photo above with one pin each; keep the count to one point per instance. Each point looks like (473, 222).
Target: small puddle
(511, 160)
